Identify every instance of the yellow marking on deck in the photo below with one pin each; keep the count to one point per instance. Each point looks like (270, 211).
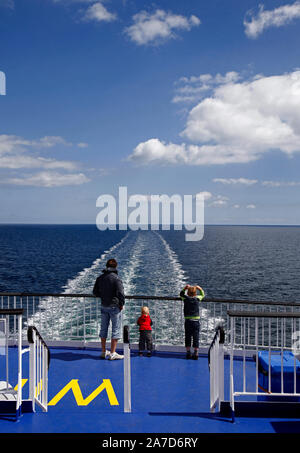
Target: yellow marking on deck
(23, 383)
(74, 386)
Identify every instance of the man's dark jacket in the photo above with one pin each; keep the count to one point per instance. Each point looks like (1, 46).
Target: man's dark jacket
(109, 288)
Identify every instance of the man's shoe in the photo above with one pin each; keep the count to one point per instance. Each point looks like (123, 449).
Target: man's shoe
(115, 356)
(188, 355)
(140, 354)
(105, 354)
(195, 356)
(149, 354)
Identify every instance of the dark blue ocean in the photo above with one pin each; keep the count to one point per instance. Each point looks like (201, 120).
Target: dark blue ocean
(230, 262)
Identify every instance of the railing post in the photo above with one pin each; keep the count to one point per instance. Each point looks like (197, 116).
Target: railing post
(221, 367)
(216, 368)
(19, 395)
(84, 321)
(32, 367)
(127, 373)
(231, 369)
(38, 369)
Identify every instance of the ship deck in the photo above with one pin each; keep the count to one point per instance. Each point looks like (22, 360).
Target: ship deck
(169, 395)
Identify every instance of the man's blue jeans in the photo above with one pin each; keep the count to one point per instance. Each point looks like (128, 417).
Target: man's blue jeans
(112, 314)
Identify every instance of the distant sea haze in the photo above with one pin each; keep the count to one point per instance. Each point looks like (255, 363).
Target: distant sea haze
(230, 262)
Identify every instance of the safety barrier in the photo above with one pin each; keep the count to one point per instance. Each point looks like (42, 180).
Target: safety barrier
(273, 370)
(127, 370)
(11, 398)
(39, 360)
(76, 317)
(216, 368)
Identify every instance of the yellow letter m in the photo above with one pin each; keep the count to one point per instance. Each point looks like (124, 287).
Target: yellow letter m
(74, 386)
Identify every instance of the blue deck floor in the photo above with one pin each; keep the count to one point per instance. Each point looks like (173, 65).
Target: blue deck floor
(169, 395)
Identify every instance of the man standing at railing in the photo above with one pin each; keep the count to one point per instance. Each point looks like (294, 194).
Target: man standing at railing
(109, 288)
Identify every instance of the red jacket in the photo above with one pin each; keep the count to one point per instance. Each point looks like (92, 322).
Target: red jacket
(144, 322)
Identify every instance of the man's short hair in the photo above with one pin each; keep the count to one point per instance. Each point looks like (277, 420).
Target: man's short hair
(111, 263)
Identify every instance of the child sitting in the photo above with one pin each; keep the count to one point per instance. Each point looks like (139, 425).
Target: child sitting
(191, 318)
(145, 323)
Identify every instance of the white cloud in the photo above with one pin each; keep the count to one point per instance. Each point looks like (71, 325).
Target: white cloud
(154, 151)
(23, 161)
(281, 183)
(234, 181)
(238, 122)
(158, 26)
(252, 116)
(14, 153)
(97, 12)
(93, 11)
(219, 203)
(251, 206)
(213, 200)
(194, 88)
(47, 179)
(18, 153)
(255, 25)
(206, 195)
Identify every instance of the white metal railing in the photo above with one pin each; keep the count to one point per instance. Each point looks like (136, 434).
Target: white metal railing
(38, 369)
(216, 368)
(7, 392)
(76, 317)
(252, 334)
(127, 370)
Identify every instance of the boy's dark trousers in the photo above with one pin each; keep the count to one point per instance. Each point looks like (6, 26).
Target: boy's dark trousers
(191, 328)
(145, 340)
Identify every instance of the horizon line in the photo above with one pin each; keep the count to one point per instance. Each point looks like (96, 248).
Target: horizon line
(149, 225)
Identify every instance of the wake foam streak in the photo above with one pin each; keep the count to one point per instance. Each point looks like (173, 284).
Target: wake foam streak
(147, 265)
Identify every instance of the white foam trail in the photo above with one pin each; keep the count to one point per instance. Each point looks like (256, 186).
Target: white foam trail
(85, 280)
(54, 314)
(207, 321)
(147, 265)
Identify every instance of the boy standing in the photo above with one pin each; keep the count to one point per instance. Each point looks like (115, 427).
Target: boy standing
(191, 318)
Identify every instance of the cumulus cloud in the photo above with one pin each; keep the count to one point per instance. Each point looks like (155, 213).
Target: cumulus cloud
(237, 122)
(90, 10)
(251, 206)
(255, 25)
(97, 12)
(155, 151)
(159, 26)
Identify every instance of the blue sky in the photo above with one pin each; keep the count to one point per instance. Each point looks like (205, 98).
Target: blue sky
(167, 97)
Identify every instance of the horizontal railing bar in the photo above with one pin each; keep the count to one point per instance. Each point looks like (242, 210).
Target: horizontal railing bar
(147, 297)
(261, 314)
(11, 311)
